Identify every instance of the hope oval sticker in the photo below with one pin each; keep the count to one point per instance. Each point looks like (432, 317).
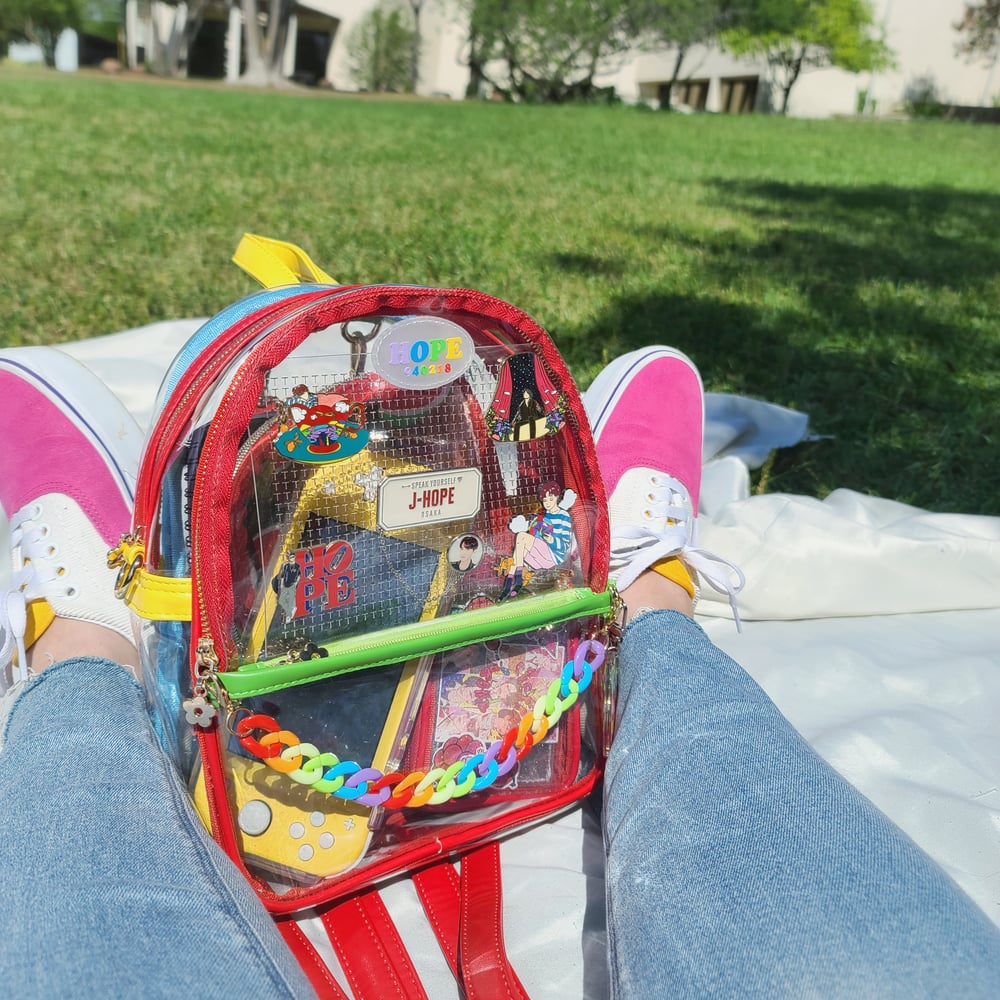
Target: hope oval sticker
(423, 352)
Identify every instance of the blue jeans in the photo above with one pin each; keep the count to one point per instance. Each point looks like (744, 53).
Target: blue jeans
(110, 886)
(739, 864)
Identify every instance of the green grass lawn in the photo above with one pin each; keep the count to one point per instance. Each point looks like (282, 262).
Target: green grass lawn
(846, 269)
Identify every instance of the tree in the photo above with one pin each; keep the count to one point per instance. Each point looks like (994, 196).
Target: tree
(484, 22)
(102, 18)
(550, 50)
(4, 30)
(39, 22)
(265, 38)
(679, 25)
(264, 32)
(167, 55)
(980, 28)
(797, 35)
(415, 8)
(380, 50)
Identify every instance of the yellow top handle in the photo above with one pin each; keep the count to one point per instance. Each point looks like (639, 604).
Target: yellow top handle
(161, 598)
(274, 263)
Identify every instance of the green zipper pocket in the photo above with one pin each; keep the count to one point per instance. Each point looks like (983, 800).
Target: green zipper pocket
(417, 639)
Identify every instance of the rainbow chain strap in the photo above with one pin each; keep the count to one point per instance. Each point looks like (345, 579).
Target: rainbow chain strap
(303, 762)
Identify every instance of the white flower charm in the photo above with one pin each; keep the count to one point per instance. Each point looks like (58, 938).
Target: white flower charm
(199, 711)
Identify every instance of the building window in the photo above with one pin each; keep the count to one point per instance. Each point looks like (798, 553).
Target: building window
(692, 93)
(738, 94)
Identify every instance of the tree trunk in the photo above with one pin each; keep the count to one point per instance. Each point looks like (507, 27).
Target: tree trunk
(168, 56)
(158, 57)
(277, 35)
(415, 6)
(477, 80)
(48, 46)
(675, 76)
(175, 40)
(515, 82)
(256, 71)
(790, 77)
(265, 47)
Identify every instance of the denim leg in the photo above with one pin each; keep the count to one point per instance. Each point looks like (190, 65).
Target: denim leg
(741, 865)
(110, 885)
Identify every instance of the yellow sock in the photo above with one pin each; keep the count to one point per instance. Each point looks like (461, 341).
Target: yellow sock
(40, 617)
(675, 571)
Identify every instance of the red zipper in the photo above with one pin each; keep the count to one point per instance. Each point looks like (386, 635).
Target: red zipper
(213, 491)
(212, 589)
(202, 371)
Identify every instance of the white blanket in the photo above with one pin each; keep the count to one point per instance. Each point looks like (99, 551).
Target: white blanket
(871, 624)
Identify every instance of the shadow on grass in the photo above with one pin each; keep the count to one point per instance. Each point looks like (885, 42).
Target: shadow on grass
(588, 265)
(873, 309)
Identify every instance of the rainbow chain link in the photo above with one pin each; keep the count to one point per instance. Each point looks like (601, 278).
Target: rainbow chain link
(303, 762)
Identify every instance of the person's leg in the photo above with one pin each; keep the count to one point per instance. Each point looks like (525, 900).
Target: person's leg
(110, 885)
(738, 863)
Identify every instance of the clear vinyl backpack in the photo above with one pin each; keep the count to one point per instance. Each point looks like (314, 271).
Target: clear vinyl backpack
(369, 566)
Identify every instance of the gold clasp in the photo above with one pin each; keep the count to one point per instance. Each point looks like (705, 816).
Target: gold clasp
(129, 555)
(207, 683)
(208, 696)
(608, 630)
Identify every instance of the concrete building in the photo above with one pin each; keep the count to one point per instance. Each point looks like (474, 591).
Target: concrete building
(920, 32)
(316, 48)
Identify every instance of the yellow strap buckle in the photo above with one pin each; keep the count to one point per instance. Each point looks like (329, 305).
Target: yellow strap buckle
(149, 595)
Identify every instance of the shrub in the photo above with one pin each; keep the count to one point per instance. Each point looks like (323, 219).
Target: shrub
(921, 98)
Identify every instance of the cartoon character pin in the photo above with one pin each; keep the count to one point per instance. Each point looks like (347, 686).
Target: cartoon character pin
(526, 404)
(323, 427)
(541, 542)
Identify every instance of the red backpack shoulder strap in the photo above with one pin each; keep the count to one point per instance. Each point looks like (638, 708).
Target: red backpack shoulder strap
(313, 964)
(369, 948)
(466, 913)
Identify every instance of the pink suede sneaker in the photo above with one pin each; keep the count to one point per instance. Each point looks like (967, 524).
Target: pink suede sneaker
(68, 460)
(647, 412)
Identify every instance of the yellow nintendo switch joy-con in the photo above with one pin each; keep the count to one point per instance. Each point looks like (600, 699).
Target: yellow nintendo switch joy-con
(294, 831)
(290, 830)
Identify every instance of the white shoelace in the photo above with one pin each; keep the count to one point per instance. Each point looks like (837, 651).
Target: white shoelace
(13, 622)
(668, 528)
(39, 571)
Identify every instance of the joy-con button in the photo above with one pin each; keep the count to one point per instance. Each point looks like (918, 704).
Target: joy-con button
(254, 817)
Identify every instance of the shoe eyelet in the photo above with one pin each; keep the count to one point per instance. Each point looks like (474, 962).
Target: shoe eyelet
(647, 515)
(72, 592)
(51, 552)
